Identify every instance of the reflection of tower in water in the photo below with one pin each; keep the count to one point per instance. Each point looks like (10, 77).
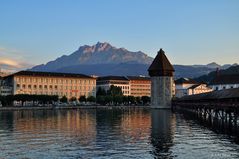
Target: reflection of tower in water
(162, 132)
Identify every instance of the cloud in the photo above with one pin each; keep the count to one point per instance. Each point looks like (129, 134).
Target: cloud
(11, 59)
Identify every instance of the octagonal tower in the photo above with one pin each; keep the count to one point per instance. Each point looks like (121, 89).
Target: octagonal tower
(161, 73)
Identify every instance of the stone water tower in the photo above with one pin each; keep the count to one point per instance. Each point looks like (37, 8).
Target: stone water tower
(161, 73)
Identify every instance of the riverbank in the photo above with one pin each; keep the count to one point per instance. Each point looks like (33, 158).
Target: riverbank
(68, 107)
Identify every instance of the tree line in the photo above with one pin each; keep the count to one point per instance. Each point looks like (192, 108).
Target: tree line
(23, 98)
(113, 96)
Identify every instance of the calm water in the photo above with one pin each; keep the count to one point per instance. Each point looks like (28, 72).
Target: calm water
(132, 133)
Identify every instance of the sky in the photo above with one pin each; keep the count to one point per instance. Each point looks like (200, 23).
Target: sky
(190, 32)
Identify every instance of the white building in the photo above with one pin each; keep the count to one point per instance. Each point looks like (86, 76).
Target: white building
(186, 86)
(119, 81)
(225, 82)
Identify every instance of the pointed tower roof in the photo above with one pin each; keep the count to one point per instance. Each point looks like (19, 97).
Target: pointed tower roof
(161, 65)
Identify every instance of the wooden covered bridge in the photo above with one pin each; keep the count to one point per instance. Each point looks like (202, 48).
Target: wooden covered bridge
(223, 105)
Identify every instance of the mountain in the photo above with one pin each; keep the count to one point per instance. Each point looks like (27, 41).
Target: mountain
(101, 53)
(104, 59)
(232, 70)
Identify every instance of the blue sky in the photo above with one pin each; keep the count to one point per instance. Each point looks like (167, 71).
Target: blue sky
(191, 32)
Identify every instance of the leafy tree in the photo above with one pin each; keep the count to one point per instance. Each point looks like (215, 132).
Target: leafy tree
(138, 100)
(100, 99)
(64, 99)
(118, 99)
(125, 99)
(82, 99)
(131, 99)
(73, 99)
(145, 99)
(100, 92)
(91, 99)
(108, 99)
(114, 91)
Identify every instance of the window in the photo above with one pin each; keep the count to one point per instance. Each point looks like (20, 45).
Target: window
(29, 86)
(45, 86)
(40, 86)
(35, 86)
(24, 86)
(55, 87)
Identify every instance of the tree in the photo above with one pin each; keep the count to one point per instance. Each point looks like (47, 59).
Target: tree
(64, 99)
(138, 100)
(114, 91)
(131, 99)
(82, 99)
(118, 99)
(100, 92)
(108, 99)
(100, 99)
(73, 99)
(145, 99)
(91, 99)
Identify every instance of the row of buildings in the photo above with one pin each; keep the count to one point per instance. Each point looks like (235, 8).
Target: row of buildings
(76, 85)
(70, 85)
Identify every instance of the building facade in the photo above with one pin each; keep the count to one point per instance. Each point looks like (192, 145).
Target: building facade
(48, 83)
(139, 86)
(119, 81)
(4, 88)
(186, 86)
(198, 89)
(136, 86)
(221, 82)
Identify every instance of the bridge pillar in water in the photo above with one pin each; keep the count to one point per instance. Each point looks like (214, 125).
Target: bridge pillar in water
(161, 73)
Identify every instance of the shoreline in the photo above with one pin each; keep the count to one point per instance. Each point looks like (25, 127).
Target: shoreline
(17, 108)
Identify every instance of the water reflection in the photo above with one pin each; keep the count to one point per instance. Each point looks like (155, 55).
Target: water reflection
(102, 133)
(6, 124)
(163, 125)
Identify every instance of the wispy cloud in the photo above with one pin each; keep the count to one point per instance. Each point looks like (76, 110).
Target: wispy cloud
(12, 59)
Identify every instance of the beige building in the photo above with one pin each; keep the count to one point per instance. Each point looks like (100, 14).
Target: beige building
(140, 86)
(48, 83)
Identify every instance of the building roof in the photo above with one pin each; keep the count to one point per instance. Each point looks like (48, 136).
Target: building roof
(48, 74)
(225, 79)
(138, 78)
(222, 94)
(185, 81)
(161, 66)
(194, 86)
(112, 78)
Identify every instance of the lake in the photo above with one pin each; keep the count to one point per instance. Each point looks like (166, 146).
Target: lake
(110, 133)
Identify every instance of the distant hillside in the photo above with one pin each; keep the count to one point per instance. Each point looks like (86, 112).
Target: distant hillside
(104, 59)
(233, 70)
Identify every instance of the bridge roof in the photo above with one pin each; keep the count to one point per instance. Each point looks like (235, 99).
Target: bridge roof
(222, 94)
